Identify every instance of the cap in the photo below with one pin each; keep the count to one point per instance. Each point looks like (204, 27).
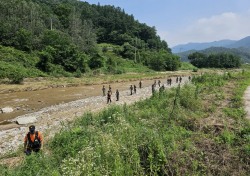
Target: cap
(32, 128)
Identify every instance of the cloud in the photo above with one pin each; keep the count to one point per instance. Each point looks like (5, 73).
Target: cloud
(227, 25)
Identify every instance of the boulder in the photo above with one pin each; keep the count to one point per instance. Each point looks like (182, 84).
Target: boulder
(26, 120)
(6, 110)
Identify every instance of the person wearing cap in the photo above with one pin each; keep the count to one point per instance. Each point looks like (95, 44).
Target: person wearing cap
(33, 141)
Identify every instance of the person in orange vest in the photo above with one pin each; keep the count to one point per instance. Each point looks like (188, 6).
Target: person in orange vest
(33, 141)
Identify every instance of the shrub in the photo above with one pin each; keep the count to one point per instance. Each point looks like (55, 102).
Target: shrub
(195, 69)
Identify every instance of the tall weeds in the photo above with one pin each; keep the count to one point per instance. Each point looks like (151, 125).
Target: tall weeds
(158, 136)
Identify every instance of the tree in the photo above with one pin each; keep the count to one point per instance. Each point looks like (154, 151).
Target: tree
(46, 59)
(162, 61)
(96, 62)
(220, 60)
(23, 40)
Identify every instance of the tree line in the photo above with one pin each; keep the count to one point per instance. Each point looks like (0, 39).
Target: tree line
(220, 60)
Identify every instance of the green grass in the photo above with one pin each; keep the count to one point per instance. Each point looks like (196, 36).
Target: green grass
(186, 66)
(17, 65)
(161, 135)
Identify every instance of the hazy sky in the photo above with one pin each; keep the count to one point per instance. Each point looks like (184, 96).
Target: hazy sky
(183, 21)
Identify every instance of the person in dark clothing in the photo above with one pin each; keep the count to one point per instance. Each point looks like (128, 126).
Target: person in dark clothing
(162, 88)
(177, 79)
(155, 83)
(153, 88)
(109, 97)
(135, 89)
(159, 83)
(103, 91)
(180, 79)
(117, 95)
(131, 89)
(140, 84)
(110, 89)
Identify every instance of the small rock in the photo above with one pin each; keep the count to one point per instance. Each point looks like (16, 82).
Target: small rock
(6, 110)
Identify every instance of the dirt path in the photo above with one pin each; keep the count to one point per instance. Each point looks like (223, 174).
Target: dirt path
(247, 102)
(50, 119)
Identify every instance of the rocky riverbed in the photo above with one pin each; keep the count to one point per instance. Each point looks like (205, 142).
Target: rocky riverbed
(50, 119)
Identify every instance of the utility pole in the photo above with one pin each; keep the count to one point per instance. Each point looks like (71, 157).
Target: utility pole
(51, 24)
(135, 47)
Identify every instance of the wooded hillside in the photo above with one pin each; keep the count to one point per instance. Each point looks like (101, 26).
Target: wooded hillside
(65, 35)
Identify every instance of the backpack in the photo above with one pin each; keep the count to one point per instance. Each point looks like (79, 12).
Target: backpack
(36, 143)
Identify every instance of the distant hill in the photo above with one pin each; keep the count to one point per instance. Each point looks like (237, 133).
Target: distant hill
(245, 43)
(242, 52)
(201, 46)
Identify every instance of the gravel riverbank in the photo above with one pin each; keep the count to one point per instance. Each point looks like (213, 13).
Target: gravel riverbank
(50, 119)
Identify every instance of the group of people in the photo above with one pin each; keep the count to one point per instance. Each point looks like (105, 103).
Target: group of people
(132, 89)
(109, 93)
(169, 82)
(161, 86)
(33, 141)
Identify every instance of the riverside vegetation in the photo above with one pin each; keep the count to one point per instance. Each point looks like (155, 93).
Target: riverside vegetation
(197, 129)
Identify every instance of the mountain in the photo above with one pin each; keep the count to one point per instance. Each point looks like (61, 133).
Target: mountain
(201, 46)
(245, 43)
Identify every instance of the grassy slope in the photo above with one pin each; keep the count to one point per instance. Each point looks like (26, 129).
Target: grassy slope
(194, 130)
(18, 64)
(15, 62)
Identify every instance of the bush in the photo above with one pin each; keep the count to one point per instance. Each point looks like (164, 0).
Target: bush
(195, 69)
(78, 73)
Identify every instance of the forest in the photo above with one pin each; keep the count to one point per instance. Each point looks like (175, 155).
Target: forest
(220, 60)
(70, 38)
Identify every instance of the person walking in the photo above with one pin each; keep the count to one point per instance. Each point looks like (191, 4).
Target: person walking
(135, 89)
(162, 88)
(159, 83)
(131, 89)
(117, 95)
(103, 91)
(109, 96)
(140, 84)
(155, 83)
(110, 89)
(153, 88)
(33, 141)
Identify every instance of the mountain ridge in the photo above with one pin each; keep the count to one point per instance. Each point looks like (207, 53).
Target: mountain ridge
(226, 43)
(242, 52)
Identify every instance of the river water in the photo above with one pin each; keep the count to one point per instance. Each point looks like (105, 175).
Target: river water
(32, 101)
